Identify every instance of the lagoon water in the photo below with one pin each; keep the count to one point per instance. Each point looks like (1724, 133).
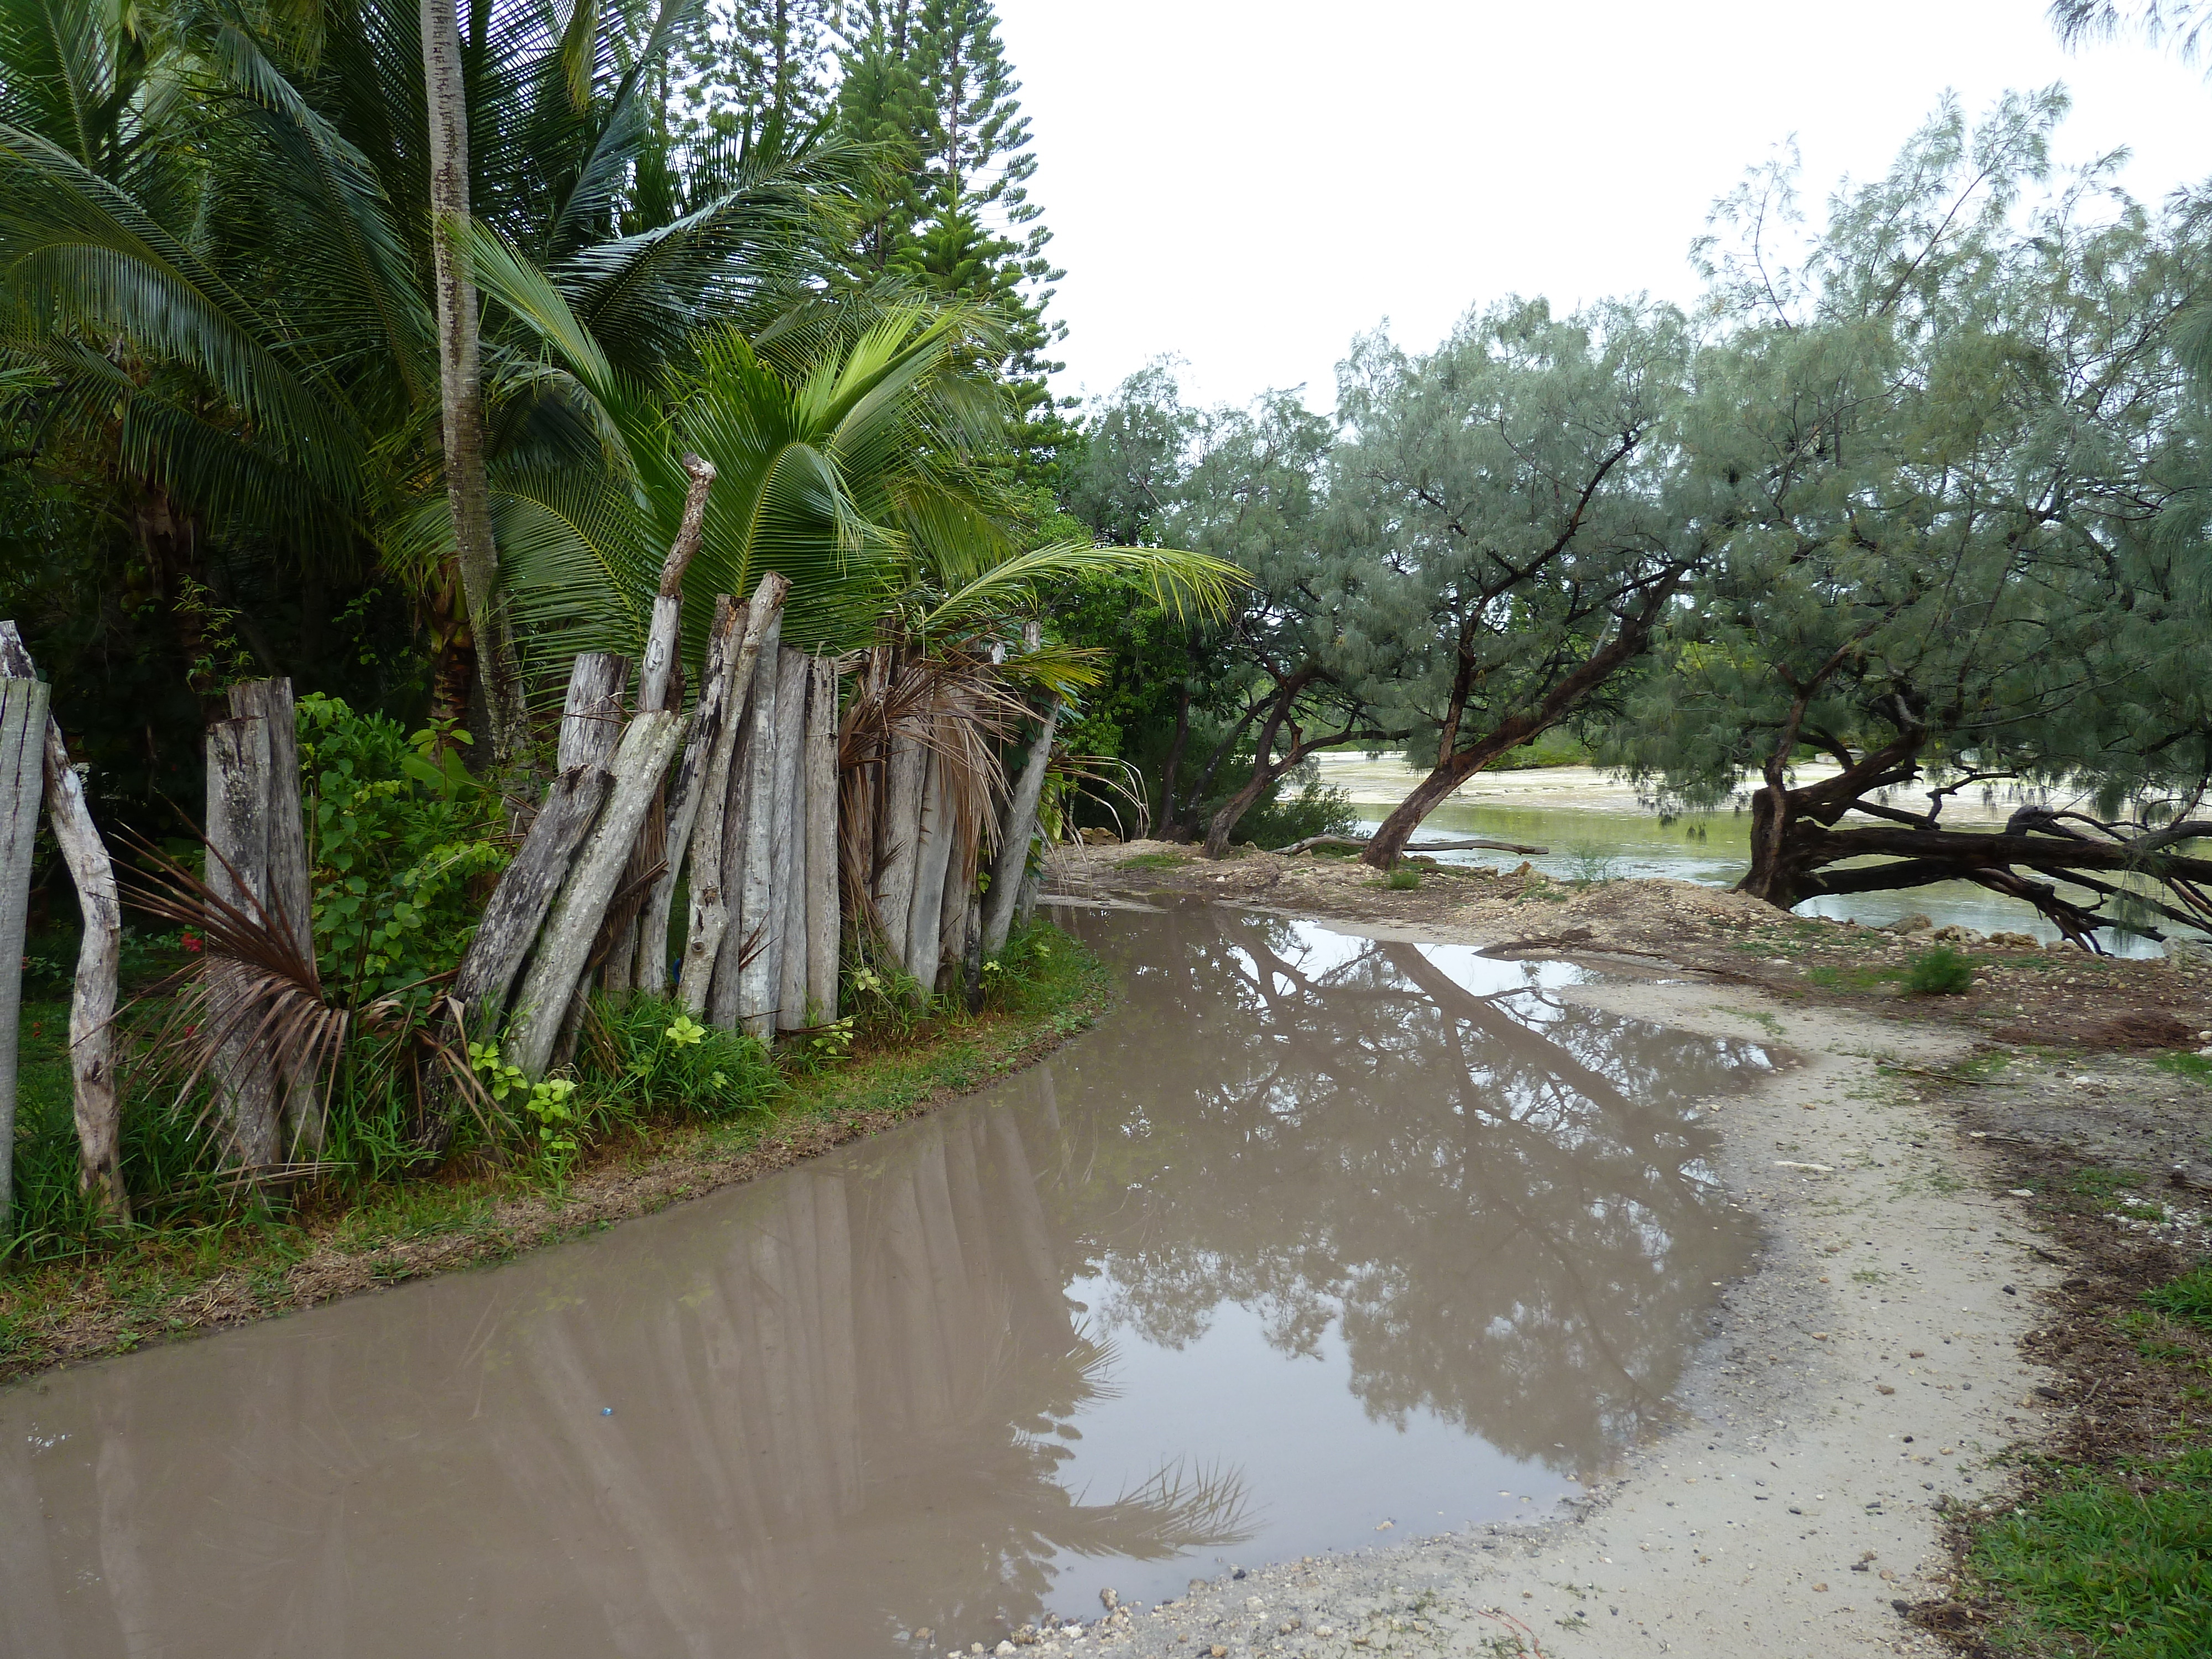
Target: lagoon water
(1314, 1234)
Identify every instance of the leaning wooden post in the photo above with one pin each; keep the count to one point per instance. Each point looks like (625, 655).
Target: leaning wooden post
(22, 750)
(787, 838)
(238, 877)
(286, 898)
(708, 918)
(1010, 864)
(98, 1109)
(820, 768)
(641, 760)
(684, 794)
(525, 892)
(665, 634)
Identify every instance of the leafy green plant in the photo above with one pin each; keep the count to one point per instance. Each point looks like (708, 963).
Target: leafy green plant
(400, 841)
(1941, 972)
(647, 1056)
(1591, 862)
(1402, 880)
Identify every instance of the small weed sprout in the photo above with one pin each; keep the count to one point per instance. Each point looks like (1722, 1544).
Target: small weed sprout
(1590, 864)
(1941, 972)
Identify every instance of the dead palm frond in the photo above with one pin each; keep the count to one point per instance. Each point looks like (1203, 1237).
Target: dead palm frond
(253, 1002)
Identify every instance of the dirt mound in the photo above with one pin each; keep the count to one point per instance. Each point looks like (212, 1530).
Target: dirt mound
(2137, 1028)
(1656, 901)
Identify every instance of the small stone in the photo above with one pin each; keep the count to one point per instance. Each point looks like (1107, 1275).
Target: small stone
(1917, 1353)
(1003, 1648)
(1109, 1598)
(2020, 1192)
(2011, 1291)
(1219, 1651)
(1883, 1387)
(1820, 1587)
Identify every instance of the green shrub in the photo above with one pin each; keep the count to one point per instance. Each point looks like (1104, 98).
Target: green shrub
(1402, 880)
(402, 846)
(1941, 972)
(1280, 819)
(647, 1056)
(1592, 862)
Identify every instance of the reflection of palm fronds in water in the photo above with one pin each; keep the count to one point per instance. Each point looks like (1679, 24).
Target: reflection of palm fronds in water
(1184, 1506)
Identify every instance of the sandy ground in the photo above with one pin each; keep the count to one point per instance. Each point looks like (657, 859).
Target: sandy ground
(1857, 1386)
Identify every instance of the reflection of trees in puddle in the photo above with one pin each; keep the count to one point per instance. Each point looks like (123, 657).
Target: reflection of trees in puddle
(843, 1398)
(1499, 1200)
(838, 1398)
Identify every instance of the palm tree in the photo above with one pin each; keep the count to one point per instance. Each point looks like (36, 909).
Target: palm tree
(216, 252)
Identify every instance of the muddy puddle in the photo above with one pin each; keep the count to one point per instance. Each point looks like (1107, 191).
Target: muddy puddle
(1317, 1243)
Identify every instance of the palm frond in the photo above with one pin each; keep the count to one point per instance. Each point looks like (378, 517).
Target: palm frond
(1181, 582)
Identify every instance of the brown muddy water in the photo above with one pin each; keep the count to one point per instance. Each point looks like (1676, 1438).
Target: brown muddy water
(1314, 1234)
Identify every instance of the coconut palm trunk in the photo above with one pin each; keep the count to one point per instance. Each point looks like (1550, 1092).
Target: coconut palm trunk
(461, 386)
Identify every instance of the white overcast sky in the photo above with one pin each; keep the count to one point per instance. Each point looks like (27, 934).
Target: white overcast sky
(1248, 185)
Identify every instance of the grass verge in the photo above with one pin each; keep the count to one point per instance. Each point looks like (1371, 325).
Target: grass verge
(159, 1283)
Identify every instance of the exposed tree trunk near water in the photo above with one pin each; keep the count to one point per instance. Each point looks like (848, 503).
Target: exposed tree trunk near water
(1458, 846)
(823, 924)
(98, 1108)
(245, 1080)
(461, 384)
(22, 760)
(640, 762)
(286, 894)
(709, 919)
(1574, 686)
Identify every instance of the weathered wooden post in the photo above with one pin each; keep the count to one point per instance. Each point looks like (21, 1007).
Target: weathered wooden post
(285, 897)
(22, 750)
(591, 714)
(1010, 867)
(684, 794)
(906, 773)
(787, 842)
(751, 971)
(820, 768)
(238, 807)
(709, 842)
(98, 957)
(926, 913)
(640, 762)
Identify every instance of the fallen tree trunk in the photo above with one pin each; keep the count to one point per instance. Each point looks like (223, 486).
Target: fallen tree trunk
(640, 762)
(1358, 844)
(98, 1110)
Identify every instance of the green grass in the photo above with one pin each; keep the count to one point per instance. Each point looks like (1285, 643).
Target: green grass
(1941, 972)
(1847, 979)
(2188, 1298)
(1154, 861)
(2182, 1063)
(1402, 881)
(2107, 1569)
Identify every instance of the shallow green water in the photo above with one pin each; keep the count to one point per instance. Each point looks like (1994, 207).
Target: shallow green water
(1715, 849)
